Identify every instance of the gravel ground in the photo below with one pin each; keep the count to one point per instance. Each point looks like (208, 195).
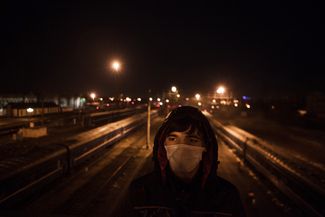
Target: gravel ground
(20, 148)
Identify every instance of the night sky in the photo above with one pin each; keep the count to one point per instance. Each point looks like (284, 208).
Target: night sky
(256, 49)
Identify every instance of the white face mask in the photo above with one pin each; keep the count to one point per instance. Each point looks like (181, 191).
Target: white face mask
(184, 159)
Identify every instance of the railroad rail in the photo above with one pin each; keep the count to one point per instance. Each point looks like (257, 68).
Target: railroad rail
(20, 176)
(290, 178)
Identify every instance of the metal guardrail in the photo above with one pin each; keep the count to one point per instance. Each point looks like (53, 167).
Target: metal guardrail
(19, 177)
(295, 185)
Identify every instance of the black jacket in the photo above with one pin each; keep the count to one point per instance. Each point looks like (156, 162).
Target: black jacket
(160, 193)
(149, 196)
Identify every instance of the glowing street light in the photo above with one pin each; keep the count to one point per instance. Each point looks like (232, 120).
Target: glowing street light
(174, 89)
(197, 97)
(30, 110)
(93, 96)
(221, 90)
(116, 66)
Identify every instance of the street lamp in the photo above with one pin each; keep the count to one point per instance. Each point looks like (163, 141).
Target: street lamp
(93, 95)
(221, 90)
(197, 97)
(116, 66)
(174, 89)
(30, 112)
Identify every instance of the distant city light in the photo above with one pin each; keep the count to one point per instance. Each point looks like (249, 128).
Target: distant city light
(197, 96)
(30, 110)
(161, 103)
(248, 106)
(212, 107)
(302, 112)
(128, 99)
(101, 99)
(158, 99)
(174, 89)
(116, 65)
(139, 99)
(236, 104)
(246, 98)
(187, 99)
(111, 98)
(93, 95)
(221, 90)
(178, 95)
(214, 101)
(199, 103)
(150, 99)
(167, 100)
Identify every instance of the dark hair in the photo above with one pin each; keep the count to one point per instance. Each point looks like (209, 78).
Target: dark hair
(181, 119)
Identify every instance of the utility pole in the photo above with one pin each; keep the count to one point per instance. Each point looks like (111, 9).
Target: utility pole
(148, 122)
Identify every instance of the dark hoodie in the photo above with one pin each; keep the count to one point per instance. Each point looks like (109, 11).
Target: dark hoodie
(161, 193)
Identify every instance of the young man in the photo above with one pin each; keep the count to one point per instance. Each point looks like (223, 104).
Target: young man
(185, 181)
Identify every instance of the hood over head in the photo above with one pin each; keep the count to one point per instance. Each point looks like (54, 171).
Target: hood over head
(181, 119)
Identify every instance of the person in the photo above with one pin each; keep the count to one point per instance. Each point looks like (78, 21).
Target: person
(184, 181)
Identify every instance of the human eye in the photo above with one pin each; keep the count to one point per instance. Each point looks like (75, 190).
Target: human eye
(171, 138)
(194, 140)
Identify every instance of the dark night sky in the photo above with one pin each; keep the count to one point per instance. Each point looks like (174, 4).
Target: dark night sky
(258, 49)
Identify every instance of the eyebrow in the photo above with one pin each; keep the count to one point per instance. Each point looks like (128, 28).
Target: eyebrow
(194, 136)
(188, 134)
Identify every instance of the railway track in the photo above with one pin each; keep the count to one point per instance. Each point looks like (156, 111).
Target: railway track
(23, 175)
(101, 180)
(293, 179)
